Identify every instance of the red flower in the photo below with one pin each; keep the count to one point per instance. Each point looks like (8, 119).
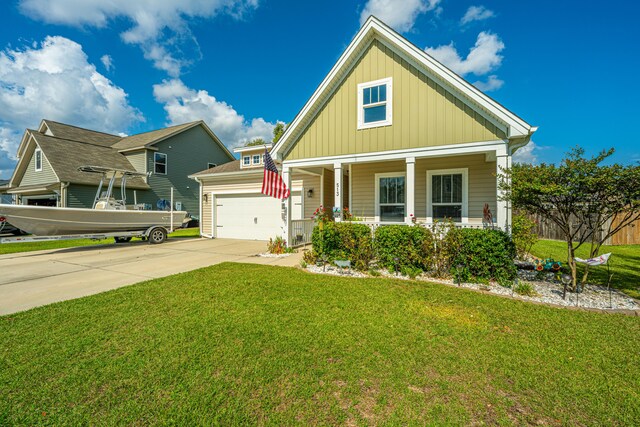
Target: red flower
(539, 267)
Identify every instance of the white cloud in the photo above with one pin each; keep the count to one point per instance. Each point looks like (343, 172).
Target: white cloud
(398, 14)
(54, 80)
(527, 154)
(492, 83)
(483, 58)
(476, 13)
(159, 27)
(107, 61)
(183, 104)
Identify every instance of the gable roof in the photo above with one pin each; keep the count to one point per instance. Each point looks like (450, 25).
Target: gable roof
(66, 156)
(513, 126)
(148, 139)
(143, 140)
(68, 147)
(74, 133)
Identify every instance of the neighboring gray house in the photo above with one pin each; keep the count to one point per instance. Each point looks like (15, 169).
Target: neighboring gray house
(5, 198)
(48, 160)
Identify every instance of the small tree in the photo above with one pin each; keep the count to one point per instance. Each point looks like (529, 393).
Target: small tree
(579, 195)
(254, 142)
(278, 131)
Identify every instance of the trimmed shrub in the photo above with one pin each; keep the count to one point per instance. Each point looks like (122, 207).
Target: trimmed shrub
(486, 254)
(344, 241)
(404, 247)
(448, 240)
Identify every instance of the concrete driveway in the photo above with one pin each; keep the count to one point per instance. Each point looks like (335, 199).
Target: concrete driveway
(33, 279)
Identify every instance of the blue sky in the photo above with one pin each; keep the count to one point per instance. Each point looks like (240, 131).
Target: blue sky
(242, 65)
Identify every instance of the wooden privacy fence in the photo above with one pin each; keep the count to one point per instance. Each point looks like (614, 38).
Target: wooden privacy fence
(629, 235)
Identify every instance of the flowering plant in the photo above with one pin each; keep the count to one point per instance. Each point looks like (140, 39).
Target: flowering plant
(413, 218)
(347, 215)
(322, 215)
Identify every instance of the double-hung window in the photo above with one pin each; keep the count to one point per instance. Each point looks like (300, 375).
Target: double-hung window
(38, 159)
(447, 198)
(390, 197)
(375, 103)
(160, 163)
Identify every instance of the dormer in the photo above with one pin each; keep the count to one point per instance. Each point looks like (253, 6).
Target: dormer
(252, 156)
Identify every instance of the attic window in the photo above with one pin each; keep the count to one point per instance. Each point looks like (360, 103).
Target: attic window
(256, 159)
(160, 163)
(246, 161)
(375, 103)
(38, 159)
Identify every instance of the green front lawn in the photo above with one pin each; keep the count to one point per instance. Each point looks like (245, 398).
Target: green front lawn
(625, 263)
(240, 344)
(12, 248)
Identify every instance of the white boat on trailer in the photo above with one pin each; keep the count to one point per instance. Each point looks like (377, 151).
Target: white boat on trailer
(109, 217)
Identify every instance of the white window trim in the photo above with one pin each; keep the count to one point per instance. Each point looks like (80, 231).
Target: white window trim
(166, 164)
(245, 158)
(377, 193)
(253, 158)
(35, 159)
(361, 124)
(465, 191)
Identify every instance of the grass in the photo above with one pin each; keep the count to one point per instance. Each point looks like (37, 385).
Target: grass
(625, 264)
(246, 344)
(12, 248)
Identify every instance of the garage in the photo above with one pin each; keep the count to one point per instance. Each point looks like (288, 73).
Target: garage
(251, 216)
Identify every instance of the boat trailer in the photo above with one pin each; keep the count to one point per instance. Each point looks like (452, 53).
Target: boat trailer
(155, 234)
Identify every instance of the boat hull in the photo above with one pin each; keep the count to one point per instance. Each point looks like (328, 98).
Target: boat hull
(51, 221)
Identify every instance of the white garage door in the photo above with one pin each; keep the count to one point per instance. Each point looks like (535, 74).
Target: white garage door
(252, 216)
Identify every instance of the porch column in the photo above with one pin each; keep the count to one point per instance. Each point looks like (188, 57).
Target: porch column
(286, 204)
(337, 204)
(503, 214)
(410, 189)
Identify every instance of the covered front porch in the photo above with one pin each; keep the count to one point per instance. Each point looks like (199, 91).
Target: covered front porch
(423, 186)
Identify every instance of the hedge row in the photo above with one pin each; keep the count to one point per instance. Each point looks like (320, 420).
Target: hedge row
(484, 253)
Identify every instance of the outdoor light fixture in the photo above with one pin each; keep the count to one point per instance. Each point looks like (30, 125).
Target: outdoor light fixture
(566, 279)
(205, 197)
(310, 193)
(459, 269)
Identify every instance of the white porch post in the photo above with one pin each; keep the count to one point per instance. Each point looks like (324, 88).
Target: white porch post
(503, 214)
(337, 204)
(286, 217)
(410, 189)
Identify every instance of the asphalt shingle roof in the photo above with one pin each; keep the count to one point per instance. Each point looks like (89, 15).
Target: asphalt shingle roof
(141, 140)
(66, 156)
(74, 133)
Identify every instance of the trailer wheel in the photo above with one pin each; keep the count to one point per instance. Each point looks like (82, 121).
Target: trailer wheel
(122, 239)
(157, 236)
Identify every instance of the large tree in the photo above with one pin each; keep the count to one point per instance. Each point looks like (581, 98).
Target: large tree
(586, 200)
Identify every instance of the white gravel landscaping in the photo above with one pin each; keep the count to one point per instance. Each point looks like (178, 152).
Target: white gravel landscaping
(595, 297)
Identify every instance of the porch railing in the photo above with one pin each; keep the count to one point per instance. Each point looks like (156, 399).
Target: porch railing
(300, 232)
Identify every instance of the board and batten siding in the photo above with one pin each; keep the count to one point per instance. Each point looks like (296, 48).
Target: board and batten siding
(481, 174)
(187, 153)
(45, 176)
(424, 113)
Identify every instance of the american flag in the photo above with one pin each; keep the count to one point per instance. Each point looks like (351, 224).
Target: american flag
(272, 183)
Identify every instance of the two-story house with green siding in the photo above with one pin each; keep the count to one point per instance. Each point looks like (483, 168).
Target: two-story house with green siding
(49, 157)
(390, 134)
